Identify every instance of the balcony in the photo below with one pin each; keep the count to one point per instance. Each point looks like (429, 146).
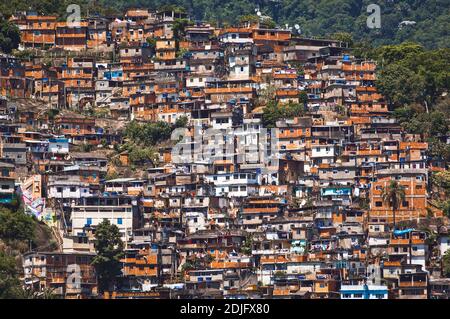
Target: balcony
(260, 210)
(417, 241)
(399, 241)
(392, 263)
(406, 284)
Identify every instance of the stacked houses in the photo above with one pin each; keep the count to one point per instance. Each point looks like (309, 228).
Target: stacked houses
(231, 208)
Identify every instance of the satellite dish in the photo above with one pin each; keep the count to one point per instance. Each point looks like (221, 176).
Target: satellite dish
(258, 13)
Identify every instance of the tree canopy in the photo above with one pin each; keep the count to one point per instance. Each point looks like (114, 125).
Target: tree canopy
(408, 73)
(15, 225)
(446, 263)
(393, 195)
(109, 248)
(9, 36)
(274, 112)
(148, 134)
(9, 277)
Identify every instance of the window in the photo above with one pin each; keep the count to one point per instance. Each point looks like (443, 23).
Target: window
(88, 221)
(119, 221)
(358, 295)
(59, 189)
(73, 189)
(378, 204)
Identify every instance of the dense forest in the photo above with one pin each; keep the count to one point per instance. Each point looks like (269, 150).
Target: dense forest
(315, 17)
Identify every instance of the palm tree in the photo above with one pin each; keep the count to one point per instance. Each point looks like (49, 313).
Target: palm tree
(393, 195)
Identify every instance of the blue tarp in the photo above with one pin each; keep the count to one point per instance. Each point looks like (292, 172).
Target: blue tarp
(402, 232)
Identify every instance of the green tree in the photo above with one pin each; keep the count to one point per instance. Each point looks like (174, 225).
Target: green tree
(45, 293)
(179, 28)
(271, 114)
(274, 112)
(247, 246)
(109, 248)
(446, 263)
(15, 225)
(148, 134)
(179, 32)
(181, 121)
(142, 155)
(393, 195)
(445, 206)
(10, 287)
(303, 98)
(186, 267)
(343, 37)
(442, 181)
(408, 73)
(248, 18)
(9, 36)
(316, 17)
(151, 43)
(400, 85)
(85, 147)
